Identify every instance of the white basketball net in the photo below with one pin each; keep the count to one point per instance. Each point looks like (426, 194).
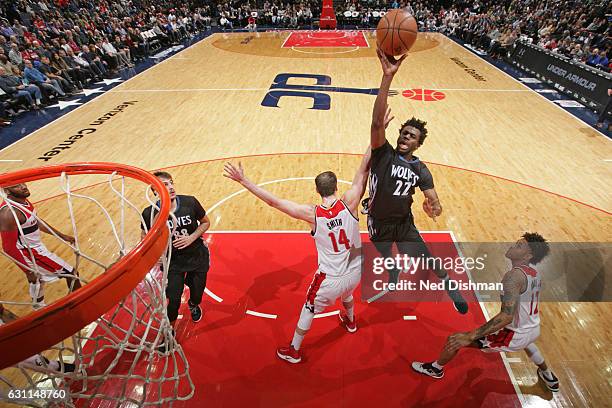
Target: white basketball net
(129, 355)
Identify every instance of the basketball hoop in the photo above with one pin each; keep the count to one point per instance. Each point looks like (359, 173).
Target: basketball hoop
(125, 302)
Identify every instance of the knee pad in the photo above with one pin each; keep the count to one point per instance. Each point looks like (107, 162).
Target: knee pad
(348, 299)
(534, 354)
(37, 290)
(305, 320)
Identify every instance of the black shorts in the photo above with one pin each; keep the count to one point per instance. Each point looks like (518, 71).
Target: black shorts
(198, 262)
(402, 232)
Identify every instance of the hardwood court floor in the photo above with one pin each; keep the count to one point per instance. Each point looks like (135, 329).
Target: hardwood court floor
(505, 160)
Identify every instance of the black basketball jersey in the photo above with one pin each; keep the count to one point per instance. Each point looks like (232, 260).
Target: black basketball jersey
(392, 183)
(188, 212)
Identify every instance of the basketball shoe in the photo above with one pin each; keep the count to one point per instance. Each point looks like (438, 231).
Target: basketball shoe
(551, 383)
(427, 369)
(196, 312)
(350, 327)
(289, 354)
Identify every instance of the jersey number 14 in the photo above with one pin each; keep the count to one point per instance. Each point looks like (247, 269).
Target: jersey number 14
(342, 240)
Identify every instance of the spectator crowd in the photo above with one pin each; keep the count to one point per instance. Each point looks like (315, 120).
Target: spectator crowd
(51, 49)
(579, 30)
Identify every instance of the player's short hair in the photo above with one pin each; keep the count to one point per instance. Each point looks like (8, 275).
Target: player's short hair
(326, 183)
(163, 174)
(419, 124)
(538, 245)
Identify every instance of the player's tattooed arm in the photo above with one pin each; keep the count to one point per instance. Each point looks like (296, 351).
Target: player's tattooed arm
(514, 283)
(303, 212)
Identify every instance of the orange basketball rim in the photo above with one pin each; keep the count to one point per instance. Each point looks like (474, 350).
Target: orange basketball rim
(50, 325)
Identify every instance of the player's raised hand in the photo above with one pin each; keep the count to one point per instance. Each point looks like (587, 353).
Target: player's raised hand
(388, 117)
(233, 172)
(390, 64)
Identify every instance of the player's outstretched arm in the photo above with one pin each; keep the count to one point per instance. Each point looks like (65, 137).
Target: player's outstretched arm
(389, 67)
(514, 283)
(353, 195)
(48, 229)
(298, 211)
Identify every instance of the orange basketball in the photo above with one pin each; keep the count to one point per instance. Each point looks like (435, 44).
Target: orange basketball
(396, 32)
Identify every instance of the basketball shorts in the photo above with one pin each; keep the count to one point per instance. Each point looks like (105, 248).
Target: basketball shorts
(325, 290)
(383, 233)
(507, 340)
(47, 263)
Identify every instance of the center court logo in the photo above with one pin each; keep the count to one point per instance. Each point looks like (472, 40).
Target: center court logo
(319, 92)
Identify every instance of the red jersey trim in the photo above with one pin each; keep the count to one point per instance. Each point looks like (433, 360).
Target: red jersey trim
(331, 212)
(314, 287)
(528, 270)
(500, 339)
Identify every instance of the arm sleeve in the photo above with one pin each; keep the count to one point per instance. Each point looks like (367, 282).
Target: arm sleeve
(426, 179)
(9, 245)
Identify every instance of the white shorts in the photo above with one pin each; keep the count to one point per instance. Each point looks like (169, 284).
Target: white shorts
(46, 262)
(325, 290)
(508, 340)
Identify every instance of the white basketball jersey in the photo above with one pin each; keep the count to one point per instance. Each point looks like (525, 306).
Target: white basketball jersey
(30, 238)
(336, 235)
(527, 315)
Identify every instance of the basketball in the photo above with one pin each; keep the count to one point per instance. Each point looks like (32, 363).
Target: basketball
(396, 32)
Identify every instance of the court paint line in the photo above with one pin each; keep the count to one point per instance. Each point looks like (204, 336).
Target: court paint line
(485, 313)
(293, 48)
(365, 37)
(190, 90)
(292, 232)
(335, 312)
(264, 315)
(286, 39)
(114, 90)
(310, 35)
(378, 296)
(514, 360)
(410, 317)
(10, 160)
(93, 99)
(212, 295)
(537, 93)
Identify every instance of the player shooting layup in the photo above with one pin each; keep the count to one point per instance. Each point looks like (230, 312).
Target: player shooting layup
(394, 175)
